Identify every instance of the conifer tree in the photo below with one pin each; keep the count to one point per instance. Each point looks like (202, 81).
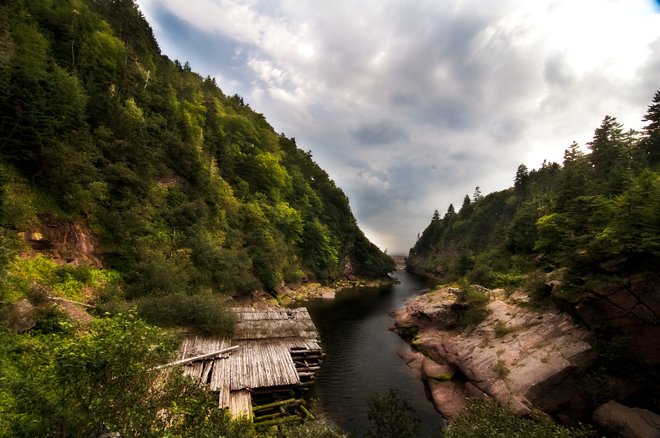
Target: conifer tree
(650, 145)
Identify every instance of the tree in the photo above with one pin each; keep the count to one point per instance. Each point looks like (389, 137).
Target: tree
(608, 155)
(522, 175)
(391, 416)
(574, 175)
(651, 142)
(477, 194)
(102, 381)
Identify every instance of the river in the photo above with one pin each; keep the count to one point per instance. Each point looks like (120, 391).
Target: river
(361, 355)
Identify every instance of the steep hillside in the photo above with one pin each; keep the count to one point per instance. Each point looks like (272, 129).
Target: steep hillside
(117, 157)
(583, 236)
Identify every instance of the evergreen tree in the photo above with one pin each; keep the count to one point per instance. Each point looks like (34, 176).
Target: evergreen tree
(650, 144)
(522, 174)
(466, 202)
(608, 155)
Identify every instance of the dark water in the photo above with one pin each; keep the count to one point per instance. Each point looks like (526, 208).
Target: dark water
(361, 355)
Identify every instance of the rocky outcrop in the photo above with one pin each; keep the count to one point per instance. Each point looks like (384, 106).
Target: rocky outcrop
(521, 358)
(620, 421)
(629, 305)
(69, 242)
(448, 396)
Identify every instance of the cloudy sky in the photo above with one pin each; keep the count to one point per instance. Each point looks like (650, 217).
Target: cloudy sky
(409, 105)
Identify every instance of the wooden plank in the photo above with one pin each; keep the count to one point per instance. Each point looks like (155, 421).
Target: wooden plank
(240, 404)
(197, 358)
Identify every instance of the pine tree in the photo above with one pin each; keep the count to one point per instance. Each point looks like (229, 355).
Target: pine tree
(608, 155)
(650, 144)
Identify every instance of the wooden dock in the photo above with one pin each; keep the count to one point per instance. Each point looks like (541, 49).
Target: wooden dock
(278, 353)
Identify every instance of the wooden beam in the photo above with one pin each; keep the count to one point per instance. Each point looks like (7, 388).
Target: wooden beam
(196, 358)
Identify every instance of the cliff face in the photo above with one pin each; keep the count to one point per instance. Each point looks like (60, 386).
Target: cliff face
(522, 358)
(627, 305)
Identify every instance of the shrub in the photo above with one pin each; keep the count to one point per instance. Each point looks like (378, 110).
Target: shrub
(502, 329)
(203, 312)
(485, 418)
(390, 416)
(103, 381)
(318, 427)
(501, 369)
(474, 300)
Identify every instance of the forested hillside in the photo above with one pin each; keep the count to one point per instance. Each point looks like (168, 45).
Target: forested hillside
(181, 188)
(596, 213)
(583, 235)
(133, 189)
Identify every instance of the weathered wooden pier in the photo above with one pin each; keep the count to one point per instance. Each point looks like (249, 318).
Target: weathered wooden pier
(262, 372)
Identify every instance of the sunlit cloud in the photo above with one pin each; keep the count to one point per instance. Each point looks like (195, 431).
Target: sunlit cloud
(410, 105)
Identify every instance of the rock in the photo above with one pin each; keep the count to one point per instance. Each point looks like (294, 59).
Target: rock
(531, 365)
(69, 242)
(413, 359)
(432, 370)
(448, 397)
(20, 316)
(621, 421)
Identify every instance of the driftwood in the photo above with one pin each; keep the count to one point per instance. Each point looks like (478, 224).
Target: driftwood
(196, 358)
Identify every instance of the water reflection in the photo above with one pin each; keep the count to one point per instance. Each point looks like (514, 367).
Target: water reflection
(361, 355)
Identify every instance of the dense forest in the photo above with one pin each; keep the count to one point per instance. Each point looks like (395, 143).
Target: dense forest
(186, 188)
(133, 185)
(596, 214)
(582, 236)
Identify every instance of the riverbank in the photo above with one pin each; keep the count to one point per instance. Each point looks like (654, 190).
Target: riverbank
(298, 292)
(515, 355)
(524, 358)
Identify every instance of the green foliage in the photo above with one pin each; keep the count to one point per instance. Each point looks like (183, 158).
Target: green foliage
(204, 312)
(594, 208)
(485, 418)
(471, 305)
(391, 416)
(318, 427)
(23, 275)
(102, 381)
(188, 188)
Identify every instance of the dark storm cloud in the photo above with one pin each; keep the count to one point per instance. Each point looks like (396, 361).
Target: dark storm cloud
(380, 133)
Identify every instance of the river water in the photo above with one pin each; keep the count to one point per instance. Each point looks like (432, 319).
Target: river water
(361, 356)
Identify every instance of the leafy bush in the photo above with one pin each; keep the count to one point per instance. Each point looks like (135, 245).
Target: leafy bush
(502, 329)
(318, 427)
(473, 310)
(102, 381)
(203, 312)
(391, 416)
(485, 418)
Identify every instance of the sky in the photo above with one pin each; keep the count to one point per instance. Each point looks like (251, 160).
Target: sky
(410, 105)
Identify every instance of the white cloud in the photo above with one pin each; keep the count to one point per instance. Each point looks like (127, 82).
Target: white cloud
(410, 105)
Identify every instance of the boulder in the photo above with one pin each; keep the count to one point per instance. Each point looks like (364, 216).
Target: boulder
(620, 421)
(20, 316)
(448, 397)
(413, 359)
